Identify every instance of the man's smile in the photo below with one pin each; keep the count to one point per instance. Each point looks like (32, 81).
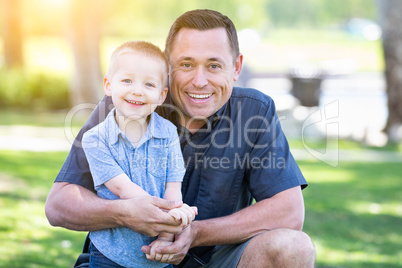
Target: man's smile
(199, 96)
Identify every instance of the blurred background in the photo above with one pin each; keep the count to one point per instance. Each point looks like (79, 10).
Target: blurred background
(334, 69)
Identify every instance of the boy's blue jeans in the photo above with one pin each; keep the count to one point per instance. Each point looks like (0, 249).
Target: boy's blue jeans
(97, 260)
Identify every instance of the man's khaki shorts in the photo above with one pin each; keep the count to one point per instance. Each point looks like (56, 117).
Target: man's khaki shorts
(225, 256)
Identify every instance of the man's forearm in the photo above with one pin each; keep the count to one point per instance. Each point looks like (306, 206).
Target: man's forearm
(76, 208)
(284, 210)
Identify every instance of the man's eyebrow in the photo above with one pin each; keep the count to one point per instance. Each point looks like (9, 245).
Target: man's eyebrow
(185, 58)
(210, 59)
(216, 59)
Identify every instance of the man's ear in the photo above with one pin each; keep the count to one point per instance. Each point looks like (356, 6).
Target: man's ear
(238, 66)
(163, 95)
(106, 86)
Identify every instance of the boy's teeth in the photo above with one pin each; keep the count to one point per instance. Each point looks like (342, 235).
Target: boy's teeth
(199, 96)
(135, 102)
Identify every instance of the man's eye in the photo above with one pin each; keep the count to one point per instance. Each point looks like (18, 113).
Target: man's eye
(186, 65)
(214, 66)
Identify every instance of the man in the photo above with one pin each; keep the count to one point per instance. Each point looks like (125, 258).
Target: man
(234, 150)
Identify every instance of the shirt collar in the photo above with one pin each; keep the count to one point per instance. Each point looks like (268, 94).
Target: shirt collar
(156, 128)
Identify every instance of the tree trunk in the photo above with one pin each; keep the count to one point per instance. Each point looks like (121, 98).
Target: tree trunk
(85, 19)
(12, 33)
(391, 21)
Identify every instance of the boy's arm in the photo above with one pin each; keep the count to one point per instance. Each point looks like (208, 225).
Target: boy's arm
(185, 214)
(124, 188)
(172, 193)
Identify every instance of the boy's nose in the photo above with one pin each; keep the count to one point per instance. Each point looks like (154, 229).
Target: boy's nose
(137, 90)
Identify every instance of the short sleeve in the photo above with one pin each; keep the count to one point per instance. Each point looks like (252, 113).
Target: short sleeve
(75, 168)
(273, 168)
(102, 164)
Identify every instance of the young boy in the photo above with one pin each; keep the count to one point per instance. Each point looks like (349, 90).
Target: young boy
(135, 152)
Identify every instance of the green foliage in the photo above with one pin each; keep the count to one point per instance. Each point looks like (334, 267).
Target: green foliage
(33, 91)
(145, 18)
(141, 19)
(290, 13)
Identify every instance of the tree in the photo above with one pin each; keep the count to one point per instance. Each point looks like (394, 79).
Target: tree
(391, 21)
(12, 33)
(85, 21)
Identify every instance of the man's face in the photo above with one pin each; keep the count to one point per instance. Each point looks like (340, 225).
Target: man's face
(202, 72)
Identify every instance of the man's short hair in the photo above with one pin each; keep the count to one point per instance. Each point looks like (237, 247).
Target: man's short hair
(141, 47)
(203, 19)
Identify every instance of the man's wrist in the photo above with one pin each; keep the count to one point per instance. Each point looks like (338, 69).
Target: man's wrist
(118, 212)
(195, 230)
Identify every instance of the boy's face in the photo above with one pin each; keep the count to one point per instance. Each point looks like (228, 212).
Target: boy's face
(136, 85)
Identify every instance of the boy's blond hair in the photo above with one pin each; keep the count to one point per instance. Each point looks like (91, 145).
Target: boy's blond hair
(144, 48)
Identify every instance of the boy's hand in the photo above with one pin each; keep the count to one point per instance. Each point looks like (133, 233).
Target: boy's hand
(153, 256)
(185, 213)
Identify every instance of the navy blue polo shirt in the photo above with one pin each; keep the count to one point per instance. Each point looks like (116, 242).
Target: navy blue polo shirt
(240, 154)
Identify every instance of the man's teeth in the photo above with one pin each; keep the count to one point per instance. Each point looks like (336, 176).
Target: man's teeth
(135, 102)
(199, 96)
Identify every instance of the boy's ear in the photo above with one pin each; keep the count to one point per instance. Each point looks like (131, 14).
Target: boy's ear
(163, 95)
(106, 86)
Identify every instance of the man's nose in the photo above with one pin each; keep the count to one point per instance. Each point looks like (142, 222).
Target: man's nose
(200, 77)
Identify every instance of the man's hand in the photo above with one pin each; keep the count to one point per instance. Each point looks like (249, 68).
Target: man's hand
(178, 250)
(148, 215)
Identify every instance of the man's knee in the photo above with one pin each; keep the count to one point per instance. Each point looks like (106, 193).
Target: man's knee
(291, 247)
(304, 247)
(282, 248)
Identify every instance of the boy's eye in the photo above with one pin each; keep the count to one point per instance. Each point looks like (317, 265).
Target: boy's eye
(126, 80)
(150, 85)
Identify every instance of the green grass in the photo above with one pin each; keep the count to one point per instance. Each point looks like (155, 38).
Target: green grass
(27, 239)
(343, 144)
(353, 213)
